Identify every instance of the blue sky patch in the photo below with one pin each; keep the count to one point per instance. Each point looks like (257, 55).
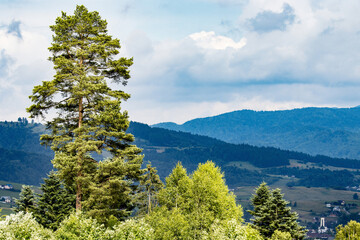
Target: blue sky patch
(268, 21)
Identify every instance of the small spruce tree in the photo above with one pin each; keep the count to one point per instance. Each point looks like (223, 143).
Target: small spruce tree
(271, 213)
(355, 196)
(26, 201)
(259, 199)
(55, 203)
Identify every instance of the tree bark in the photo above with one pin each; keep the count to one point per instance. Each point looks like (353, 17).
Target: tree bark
(78, 196)
(149, 205)
(78, 185)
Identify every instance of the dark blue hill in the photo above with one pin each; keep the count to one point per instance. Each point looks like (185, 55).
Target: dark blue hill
(333, 132)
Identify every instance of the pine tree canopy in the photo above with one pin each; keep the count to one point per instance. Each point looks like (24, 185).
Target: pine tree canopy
(88, 116)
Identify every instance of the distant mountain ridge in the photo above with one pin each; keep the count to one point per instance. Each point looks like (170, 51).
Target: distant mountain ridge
(23, 160)
(332, 132)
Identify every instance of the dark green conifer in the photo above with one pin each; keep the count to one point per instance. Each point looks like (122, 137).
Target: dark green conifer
(26, 201)
(259, 199)
(271, 213)
(55, 203)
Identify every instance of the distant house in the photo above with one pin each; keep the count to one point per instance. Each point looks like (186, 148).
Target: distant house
(328, 205)
(5, 199)
(8, 186)
(336, 209)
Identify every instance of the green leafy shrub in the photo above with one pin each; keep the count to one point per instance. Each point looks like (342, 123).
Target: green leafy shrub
(131, 229)
(169, 224)
(278, 235)
(80, 227)
(231, 230)
(23, 226)
(349, 231)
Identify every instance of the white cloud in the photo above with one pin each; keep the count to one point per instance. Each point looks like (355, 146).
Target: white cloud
(25, 65)
(210, 40)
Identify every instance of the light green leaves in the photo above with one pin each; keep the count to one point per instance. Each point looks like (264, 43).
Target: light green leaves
(195, 202)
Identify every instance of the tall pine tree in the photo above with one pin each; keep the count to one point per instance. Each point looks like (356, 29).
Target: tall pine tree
(88, 114)
(55, 202)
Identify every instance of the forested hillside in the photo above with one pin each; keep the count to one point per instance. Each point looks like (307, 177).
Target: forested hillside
(243, 164)
(23, 167)
(22, 158)
(332, 132)
(22, 136)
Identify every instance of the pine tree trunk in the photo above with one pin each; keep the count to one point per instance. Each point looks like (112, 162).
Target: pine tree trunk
(78, 185)
(78, 196)
(80, 112)
(149, 204)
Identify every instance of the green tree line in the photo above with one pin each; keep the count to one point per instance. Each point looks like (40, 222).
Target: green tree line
(187, 206)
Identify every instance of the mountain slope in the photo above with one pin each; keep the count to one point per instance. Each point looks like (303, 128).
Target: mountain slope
(22, 158)
(243, 164)
(333, 132)
(23, 167)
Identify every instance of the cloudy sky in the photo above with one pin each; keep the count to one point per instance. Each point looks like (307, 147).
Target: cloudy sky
(196, 58)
